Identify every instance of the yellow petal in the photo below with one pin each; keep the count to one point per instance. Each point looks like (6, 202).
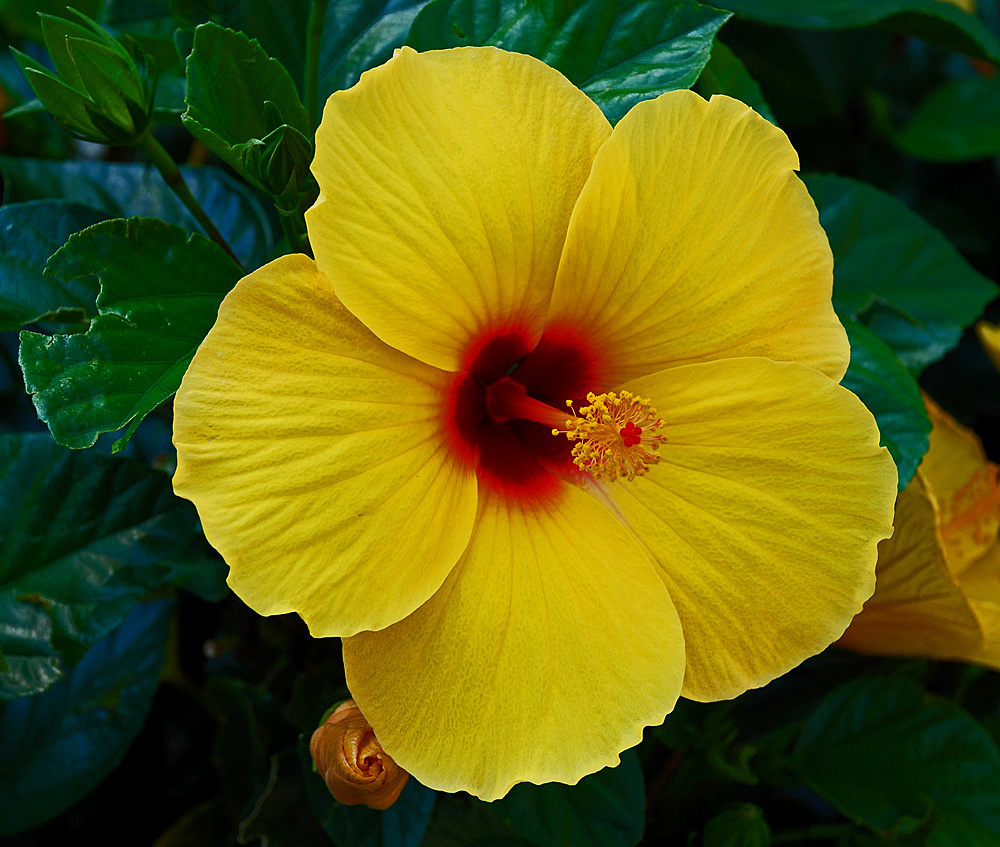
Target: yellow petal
(917, 608)
(964, 487)
(694, 240)
(989, 337)
(981, 586)
(447, 182)
(541, 658)
(763, 514)
(316, 458)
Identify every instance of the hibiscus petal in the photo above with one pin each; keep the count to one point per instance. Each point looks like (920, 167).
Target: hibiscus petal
(447, 181)
(918, 608)
(547, 650)
(316, 457)
(694, 240)
(981, 584)
(963, 485)
(763, 514)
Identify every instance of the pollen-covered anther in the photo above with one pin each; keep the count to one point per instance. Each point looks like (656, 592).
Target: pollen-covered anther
(617, 435)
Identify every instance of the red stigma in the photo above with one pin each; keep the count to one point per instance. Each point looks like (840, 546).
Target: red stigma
(631, 434)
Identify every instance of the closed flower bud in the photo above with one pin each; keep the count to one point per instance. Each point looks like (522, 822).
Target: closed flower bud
(101, 89)
(352, 762)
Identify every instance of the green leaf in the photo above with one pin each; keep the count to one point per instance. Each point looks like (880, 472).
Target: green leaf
(618, 51)
(60, 744)
(940, 22)
(358, 35)
(725, 73)
(739, 826)
(29, 234)
(959, 121)
(403, 824)
(225, 124)
(160, 294)
(889, 755)
(124, 190)
(895, 273)
(464, 821)
(69, 107)
(82, 538)
(605, 809)
(279, 26)
(892, 395)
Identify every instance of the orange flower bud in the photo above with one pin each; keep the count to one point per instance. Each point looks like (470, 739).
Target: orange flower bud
(352, 762)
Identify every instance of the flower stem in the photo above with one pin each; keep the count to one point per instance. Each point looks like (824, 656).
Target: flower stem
(314, 37)
(175, 182)
(289, 226)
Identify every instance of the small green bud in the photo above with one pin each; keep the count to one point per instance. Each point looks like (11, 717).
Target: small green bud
(102, 90)
(279, 163)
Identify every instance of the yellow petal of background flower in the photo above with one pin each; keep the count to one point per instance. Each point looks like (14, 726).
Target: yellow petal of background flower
(447, 181)
(763, 514)
(989, 337)
(547, 650)
(693, 240)
(315, 456)
(918, 608)
(964, 487)
(981, 585)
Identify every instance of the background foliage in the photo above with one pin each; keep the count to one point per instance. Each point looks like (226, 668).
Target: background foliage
(141, 703)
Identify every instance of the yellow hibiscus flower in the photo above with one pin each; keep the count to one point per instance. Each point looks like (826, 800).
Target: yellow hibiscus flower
(369, 438)
(938, 578)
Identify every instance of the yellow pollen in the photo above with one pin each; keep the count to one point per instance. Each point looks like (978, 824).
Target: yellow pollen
(617, 435)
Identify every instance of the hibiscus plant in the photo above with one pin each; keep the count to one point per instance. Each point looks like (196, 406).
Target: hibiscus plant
(480, 422)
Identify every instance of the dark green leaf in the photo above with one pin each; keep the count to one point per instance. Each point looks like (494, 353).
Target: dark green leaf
(225, 121)
(58, 745)
(892, 395)
(937, 21)
(29, 234)
(740, 826)
(605, 809)
(401, 825)
(129, 190)
(618, 51)
(725, 73)
(279, 26)
(279, 816)
(160, 294)
(82, 538)
(959, 121)
(895, 273)
(889, 755)
(463, 821)
(358, 35)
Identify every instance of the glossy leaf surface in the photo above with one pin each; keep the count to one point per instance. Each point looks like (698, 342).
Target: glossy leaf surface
(619, 53)
(124, 190)
(83, 538)
(160, 291)
(29, 234)
(58, 745)
(891, 267)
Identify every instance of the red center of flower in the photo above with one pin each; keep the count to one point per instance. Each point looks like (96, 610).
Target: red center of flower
(631, 434)
(505, 381)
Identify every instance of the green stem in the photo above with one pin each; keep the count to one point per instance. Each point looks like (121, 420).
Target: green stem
(289, 226)
(175, 182)
(314, 36)
(820, 832)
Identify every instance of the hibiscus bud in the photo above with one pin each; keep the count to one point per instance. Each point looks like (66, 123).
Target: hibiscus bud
(101, 88)
(352, 762)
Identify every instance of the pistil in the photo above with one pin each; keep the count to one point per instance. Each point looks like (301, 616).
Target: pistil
(617, 435)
